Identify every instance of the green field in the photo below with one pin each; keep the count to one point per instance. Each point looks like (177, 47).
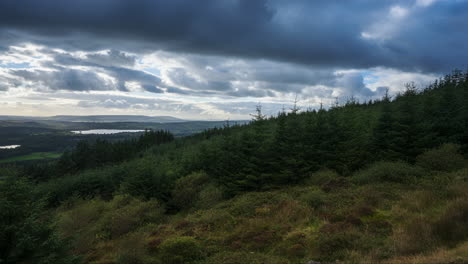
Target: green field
(33, 156)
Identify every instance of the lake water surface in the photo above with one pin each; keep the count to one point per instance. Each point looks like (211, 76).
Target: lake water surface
(10, 147)
(105, 131)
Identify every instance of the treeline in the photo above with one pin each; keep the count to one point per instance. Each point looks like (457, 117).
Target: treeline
(283, 150)
(88, 155)
(384, 141)
(287, 148)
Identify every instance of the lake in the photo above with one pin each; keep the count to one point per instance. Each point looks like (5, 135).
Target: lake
(10, 147)
(105, 131)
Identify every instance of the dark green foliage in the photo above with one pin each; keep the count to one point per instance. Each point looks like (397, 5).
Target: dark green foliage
(180, 250)
(282, 150)
(444, 158)
(398, 172)
(329, 184)
(102, 152)
(25, 232)
(88, 155)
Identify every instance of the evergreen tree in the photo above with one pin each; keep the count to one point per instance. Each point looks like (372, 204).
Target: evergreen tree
(410, 136)
(384, 143)
(25, 232)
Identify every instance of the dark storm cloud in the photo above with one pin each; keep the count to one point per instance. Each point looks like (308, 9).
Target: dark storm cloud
(321, 32)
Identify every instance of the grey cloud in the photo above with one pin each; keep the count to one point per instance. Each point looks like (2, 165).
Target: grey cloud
(111, 64)
(3, 87)
(128, 102)
(112, 58)
(322, 33)
(251, 93)
(149, 82)
(181, 77)
(353, 85)
(66, 79)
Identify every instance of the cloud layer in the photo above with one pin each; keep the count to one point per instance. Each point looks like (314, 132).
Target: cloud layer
(215, 54)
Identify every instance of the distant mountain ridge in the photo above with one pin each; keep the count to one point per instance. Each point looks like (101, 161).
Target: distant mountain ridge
(99, 118)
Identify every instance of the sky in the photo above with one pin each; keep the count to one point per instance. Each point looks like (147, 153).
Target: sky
(218, 59)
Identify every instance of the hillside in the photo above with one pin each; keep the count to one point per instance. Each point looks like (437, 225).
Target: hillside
(365, 182)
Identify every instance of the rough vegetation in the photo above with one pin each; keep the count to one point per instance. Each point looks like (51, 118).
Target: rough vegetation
(375, 182)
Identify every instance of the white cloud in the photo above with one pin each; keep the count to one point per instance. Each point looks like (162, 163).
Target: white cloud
(187, 86)
(424, 3)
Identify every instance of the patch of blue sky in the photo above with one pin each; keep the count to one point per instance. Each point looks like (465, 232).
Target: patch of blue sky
(369, 77)
(153, 71)
(15, 65)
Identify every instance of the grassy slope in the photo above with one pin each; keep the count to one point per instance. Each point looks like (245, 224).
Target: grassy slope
(33, 156)
(328, 218)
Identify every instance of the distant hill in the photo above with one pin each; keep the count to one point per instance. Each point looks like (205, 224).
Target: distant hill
(99, 118)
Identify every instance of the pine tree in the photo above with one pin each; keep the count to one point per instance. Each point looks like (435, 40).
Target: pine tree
(446, 126)
(26, 235)
(384, 144)
(410, 135)
(464, 112)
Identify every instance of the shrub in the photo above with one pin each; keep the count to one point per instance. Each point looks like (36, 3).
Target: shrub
(333, 246)
(314, 198)
(244, 258)
(127, 213)
(452, 225)
(187, 188)
(132, 250)
(247, 204)
(195, 191)
(384, 171)
(321, 177)
(89, 184)
(90, 222)
(209, 196)
(180, 250)
(255, 234)
(413, 236)
(444, 158)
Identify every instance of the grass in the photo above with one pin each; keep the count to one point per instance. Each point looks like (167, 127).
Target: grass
(33, 156)
(384, 222)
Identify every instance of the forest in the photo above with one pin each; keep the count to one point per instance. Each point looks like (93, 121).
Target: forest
(378, 181)
(35, 135)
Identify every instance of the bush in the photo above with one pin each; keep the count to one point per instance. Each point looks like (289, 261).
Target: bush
(90, 222)
(180, 250)
(314, 198)
(244, 258)
(452, 225)
(333, 246)
(413, 236)
(321, 177)
(88, 184)
(384, 171)
(187, 190)
(127, 214)
(209, 196)
(132, 250)
(26, 233)
(247, 204)
(444, 158)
